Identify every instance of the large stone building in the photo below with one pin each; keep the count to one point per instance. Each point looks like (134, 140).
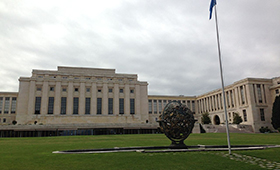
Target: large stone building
(95, 101)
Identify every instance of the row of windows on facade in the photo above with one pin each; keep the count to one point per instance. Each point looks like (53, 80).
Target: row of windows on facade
(87, 105)
(76, 89)
(245, 118)
(8, 105)
(86, 78)
(158, 105)
(215, 102)
(260, 97)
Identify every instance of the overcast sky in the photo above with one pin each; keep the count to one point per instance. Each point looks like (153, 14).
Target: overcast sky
(171, 44)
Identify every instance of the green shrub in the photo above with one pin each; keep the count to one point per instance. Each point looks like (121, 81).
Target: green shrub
(264, 130)
(237, 119)
(205, 119)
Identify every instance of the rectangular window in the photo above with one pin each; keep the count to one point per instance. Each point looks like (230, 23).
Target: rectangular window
(242, 95)
(150, 107)
(1, 104)
(51, 88)
(87, 107)
(277, 91)
(160, 106)
(164, 103)
(189, 104)
(131, 90)
(7, 105)
(110, 90)
(75, 105)
(132, 106)
(231, 98)
(14, 105)
(245, 115)
(99, 106)
(227, 94)
(121, 90)
(37, 105)
(193, 106)
(88, 89)
(110, 106)
(259, 93)
(121, 106)
(155, 106)
(51, 103)
(262, 114)
(76, 89)
(63, 105)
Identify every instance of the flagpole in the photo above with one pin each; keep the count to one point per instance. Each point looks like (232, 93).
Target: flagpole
(222, 80)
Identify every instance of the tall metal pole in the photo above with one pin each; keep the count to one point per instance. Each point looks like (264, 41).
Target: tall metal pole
(222, 80)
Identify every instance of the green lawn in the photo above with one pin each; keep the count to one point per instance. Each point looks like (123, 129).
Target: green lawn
(36, 153)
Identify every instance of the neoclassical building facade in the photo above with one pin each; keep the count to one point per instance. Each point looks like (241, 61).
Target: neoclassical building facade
(73, 98)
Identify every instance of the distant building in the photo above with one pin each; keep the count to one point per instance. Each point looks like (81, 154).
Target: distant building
(97, 101)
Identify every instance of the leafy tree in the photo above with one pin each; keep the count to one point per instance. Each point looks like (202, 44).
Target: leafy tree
(276, 113)
(237, 119)
(205, 119)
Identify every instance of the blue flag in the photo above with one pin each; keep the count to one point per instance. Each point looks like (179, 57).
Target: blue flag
(212, 4)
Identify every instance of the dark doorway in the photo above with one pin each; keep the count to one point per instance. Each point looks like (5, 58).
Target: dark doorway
(216, 120)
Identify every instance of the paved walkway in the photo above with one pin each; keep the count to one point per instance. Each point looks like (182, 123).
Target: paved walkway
(263, 163)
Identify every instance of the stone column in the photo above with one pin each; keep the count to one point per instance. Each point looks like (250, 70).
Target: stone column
(31, 104)
(93, 99)
(82, 98)
(57, 98)
(126, 100)
(116, 98)
(105, 99)
(137, 100)
(45, 99)
(69, 107)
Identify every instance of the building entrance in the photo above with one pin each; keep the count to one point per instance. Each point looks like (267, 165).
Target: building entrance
(216, 120)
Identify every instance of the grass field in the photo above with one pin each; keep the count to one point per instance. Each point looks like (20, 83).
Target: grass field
(36, 153)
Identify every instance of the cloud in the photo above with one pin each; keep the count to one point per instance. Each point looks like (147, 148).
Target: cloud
(171, 44)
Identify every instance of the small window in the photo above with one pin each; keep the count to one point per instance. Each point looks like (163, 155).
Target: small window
(39, 89)
(76, 89)
(131, 91)
(99, 90)
(51, 88)
(120, 79)
(110, 90)
(277, 91)
(40, 76)
(64, 89)
(87, 78)
(64, 77)
(262, 114)
(4, 120)
(121, 90)
(87, 89)
(76, 78)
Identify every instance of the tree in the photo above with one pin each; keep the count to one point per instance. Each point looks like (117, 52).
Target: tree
(276, 113)
(205, 119)
(237, 119)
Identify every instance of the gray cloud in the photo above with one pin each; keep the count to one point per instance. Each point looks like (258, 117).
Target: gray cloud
(170, 44)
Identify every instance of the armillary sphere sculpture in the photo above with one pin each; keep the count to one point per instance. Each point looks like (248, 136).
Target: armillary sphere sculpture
(176, 122)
